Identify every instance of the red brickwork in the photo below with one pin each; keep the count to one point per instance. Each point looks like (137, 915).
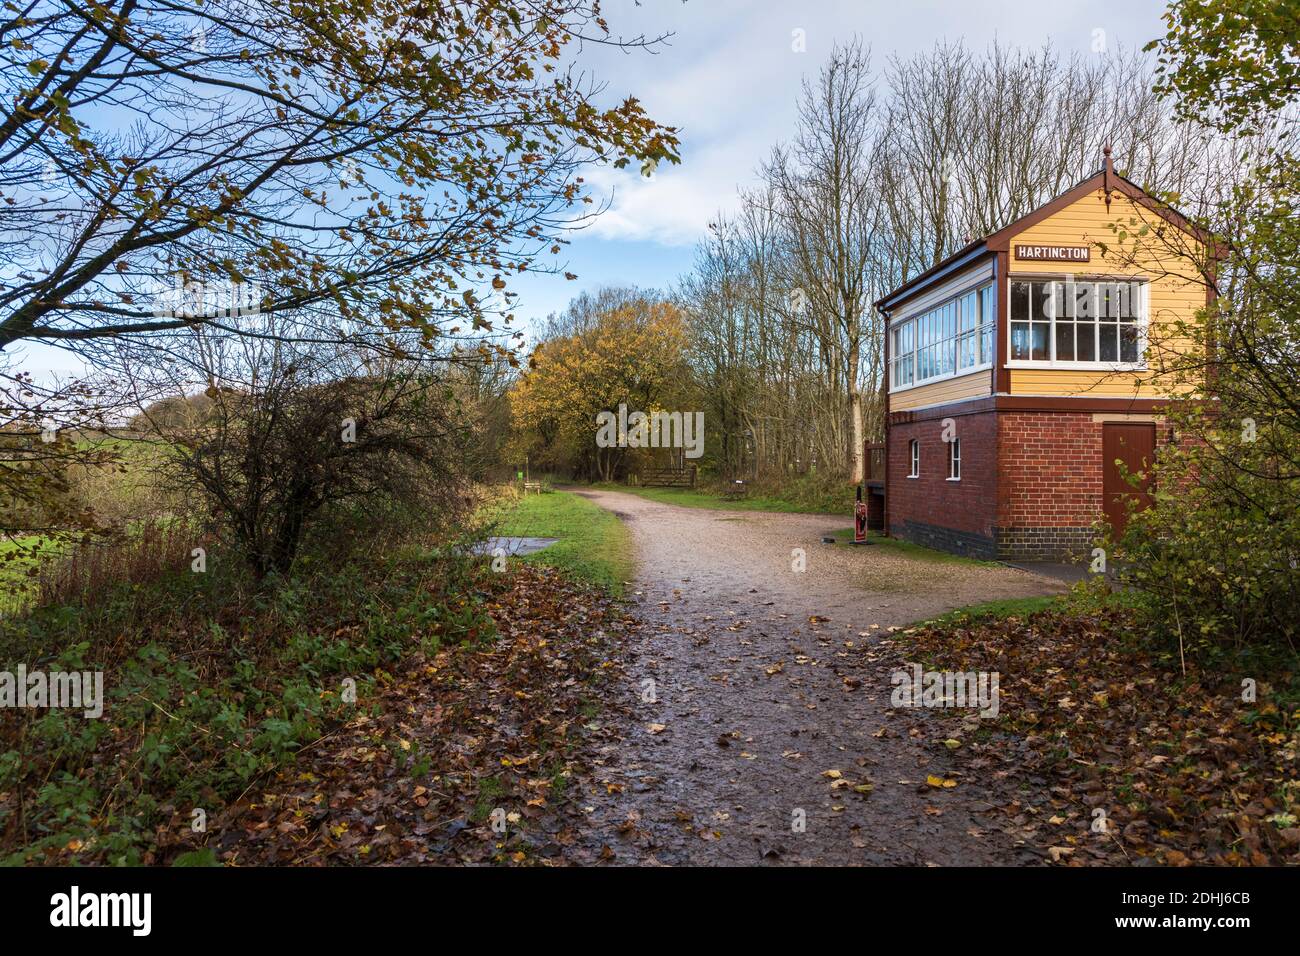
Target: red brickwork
(1031, 484)
(958, 516)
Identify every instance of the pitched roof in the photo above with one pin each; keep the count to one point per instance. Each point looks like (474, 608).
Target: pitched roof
(1105, 178)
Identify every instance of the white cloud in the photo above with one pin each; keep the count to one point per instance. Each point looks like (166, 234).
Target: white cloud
(674, 207)
(731, 82)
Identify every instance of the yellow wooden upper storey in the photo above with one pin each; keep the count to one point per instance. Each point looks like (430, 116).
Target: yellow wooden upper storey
(1153, 250)
(1128, 241)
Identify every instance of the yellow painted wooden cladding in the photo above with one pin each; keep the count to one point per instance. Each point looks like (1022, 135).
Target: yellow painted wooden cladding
(1165, 257)
(972, 385)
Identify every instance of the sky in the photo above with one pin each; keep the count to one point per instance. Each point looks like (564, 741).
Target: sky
(729, 78)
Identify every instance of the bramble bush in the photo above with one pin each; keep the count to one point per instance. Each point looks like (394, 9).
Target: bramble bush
(1219, 553)
(210, 683)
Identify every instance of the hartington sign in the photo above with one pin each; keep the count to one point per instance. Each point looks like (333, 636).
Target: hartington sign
(1054, 253)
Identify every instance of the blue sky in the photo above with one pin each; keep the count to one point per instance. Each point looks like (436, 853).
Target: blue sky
(729, 78)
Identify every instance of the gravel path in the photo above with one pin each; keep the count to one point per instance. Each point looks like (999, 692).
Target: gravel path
(756, 706)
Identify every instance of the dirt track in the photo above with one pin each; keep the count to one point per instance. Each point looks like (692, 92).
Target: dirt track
(756, 703)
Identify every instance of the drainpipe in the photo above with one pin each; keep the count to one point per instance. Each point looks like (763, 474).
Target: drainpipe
(1107, 173)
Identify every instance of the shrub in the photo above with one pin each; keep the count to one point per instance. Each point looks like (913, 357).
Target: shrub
(1218, 554)
(209, 684)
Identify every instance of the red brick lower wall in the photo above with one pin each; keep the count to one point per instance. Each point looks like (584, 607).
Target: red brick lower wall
(1031, 484)
(957, 516)
(1050, 483)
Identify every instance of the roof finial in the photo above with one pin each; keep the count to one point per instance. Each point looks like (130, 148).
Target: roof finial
(1107, 171)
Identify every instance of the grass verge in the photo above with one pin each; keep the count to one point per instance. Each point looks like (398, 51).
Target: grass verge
(1125, 752)
(208, 687)
(996, 610)
(760, 501)
(594, 545)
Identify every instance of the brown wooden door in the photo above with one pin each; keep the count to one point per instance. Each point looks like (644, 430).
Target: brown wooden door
(1135, 446)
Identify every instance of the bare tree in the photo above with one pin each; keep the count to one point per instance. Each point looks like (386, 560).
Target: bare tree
(293, 433)
(828, 203)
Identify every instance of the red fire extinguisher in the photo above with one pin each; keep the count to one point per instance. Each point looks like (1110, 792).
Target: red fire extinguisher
(860, 520)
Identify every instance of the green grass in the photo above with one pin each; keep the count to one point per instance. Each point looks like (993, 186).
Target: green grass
(15, 582)
(909, 550)
(698, 498)
(594, 545)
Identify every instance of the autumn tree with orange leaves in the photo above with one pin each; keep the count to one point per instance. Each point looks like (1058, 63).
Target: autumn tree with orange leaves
(632, 353)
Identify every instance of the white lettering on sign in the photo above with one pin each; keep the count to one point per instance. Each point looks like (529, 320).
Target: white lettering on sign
(1055, 253)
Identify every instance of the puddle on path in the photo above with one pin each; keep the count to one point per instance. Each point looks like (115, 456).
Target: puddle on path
(513, 546)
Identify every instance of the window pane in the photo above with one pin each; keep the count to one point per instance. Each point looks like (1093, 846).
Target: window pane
(1109, 342)
(1086, 340)
(1107, 304)
(1038, 341)
(1128, 343)
(1020, 340)
(1042, 300)
(986, 345)
(1132, 302)
(969, 350)
(1064, 342)
(1083, 301)
(1019, 301)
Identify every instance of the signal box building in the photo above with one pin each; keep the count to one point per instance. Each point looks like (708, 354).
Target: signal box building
(1021, 370)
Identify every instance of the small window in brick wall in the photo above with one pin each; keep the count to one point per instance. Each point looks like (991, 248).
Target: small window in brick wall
(914, 449)
(954, 460)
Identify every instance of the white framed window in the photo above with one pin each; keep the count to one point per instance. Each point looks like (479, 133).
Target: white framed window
(953, 338)
(914, 458)
(954, 460)
(1078, 322)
